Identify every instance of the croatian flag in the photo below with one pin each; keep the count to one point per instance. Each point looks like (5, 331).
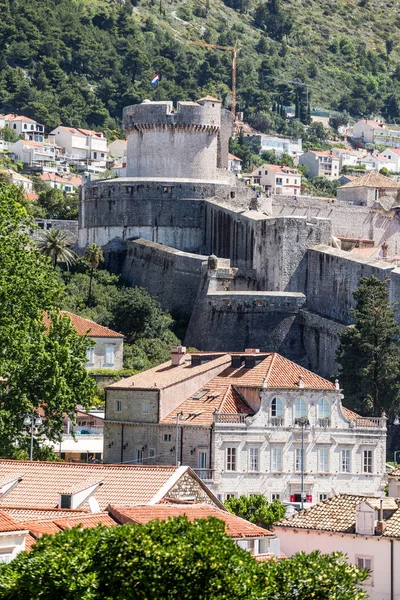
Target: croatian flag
(155, 79)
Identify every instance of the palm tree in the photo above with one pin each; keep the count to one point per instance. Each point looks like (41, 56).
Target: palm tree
(93, 256)
(55, 243)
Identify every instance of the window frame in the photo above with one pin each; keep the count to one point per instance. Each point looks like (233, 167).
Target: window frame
(323, 463)
(231, 459)
(274, 463)
(90, 356)
(297, 460)
(138, 456)
(254, 459)
(145, 407)
(321, 413)
(362, 558)
(300, 402)
(109, 349)
(276, 408)
(117, 405)
(370, 467)
(166, 438)
(345, 462)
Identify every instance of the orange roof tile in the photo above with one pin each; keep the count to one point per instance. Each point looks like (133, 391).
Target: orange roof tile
(32, 196)
(41, 483)
(21, 514)
(233, 157)
(13, 117)
(372, 179)
(8, 524)
(85, 326)
(86, 521)
(235, 526)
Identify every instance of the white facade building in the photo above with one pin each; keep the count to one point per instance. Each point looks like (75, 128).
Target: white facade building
(68, 185)
(232, 418)
(33, 153)
(392, 155)
(82, 145)
(281, 145)
(347, 158)
(234, 163)
(366, 529)
(277, 179)
(21, 125)
(118, 149)
(321, 164)
(376, 163)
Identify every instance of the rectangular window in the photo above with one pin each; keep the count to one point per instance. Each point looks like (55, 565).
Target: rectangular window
(118, 406)
(298, 460)
(366, 562)
(90, 356)
(110, 355)
(202, 459)
(323, 497)
(345, 466)
(323, 460)
(94, 154)
(145, 407)
(275, 497)
(231, 459)
(6, 555)
(139, 456)
(254, 459)
(166, 437)
(152, 452)
(276, 460)
(230, 495)
(367, 461)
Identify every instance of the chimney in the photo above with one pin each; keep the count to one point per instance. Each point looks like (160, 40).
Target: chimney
(337, 385)
(380, 525)
(384, 248)
(178, 354)
(252, 351)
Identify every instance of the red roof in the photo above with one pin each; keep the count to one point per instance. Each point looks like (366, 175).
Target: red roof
(32, 196)
(235, 526)
(41, 483)
(233, 157)
(21, 513)
(8, 524)
(85, 326)
(13, 117)
(55, 525)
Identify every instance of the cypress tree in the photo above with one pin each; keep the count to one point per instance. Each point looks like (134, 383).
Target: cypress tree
(368, 353)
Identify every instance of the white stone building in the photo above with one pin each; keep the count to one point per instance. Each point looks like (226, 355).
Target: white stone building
(280, 145)
(392, 155)
(277, 179)
(21, 125)
(232, 418)
(321, 164)
(234, 163)
(366, 529)
(34, 153)
(82, 145)
(118, 149)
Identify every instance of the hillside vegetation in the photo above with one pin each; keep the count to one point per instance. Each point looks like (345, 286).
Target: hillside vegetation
(79, 62)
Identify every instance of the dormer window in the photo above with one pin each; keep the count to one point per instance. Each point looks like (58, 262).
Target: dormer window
(81, 493)
(365, 519)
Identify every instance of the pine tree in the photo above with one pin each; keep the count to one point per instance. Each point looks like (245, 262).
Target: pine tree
(369, 352)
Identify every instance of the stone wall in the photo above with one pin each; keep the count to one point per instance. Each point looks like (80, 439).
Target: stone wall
(170, 275)
(333, 275)
(347, 220)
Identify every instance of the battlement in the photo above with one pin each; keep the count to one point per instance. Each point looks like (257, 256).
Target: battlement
(159, 116)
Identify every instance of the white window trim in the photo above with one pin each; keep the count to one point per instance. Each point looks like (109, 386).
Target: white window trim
(255, 450)
(363, 558)
(363, 471)
(107, 352)
(321, 450)
(342, 450)
(235, 461)
(168, 441)
(273, 449)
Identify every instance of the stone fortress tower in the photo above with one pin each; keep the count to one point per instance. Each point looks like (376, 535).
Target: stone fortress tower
(209, 248)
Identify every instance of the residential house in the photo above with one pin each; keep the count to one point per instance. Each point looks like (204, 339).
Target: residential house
(69, 186)
(365, 529)
(394, 482)
(279, 144)
(321, 164)
(82, 441)
(261, 543)
(17, 179)
(232, 418)
(82, 145)
(392, 155)
(108, 350)
(234, 164)
(347, 158)
(371, 189)
(376, 163)
(21, 125)
(277, 179)
(12, 538)
(118, 149)
(34, 153)
(368, 131)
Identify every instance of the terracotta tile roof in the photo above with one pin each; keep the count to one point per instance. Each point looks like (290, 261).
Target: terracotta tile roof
(12, 117)
(338, 514)
(21, 514)
(233, 157)
(32, 196)
(372, 179)
(8, 524)
(85, 326)
(209, 99)
(218, 395)
(41, 483)
(235, 526)
(165, 375)
(278, 371)
(38, 528)
(57, 179)
(392, 151)
(29, 542)
(32, 144)
(55, 525)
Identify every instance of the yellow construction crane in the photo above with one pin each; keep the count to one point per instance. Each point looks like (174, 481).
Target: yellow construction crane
(234, 49)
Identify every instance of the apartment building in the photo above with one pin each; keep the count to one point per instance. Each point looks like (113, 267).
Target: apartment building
(235, 419)
(21, 125)
(82, 145)
(280, 144)
(321, 164)
(275, 179)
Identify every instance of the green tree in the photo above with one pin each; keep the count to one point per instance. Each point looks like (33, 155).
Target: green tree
(56, 204)
(55, 244)
(93, 256)
(368, 353)
(256, 509)
(41, 368)
(169, 560)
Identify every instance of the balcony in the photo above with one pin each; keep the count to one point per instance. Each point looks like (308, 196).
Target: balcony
(205, 474)
(238, 419)
(326, 422)
(277, 421)
(368, 422)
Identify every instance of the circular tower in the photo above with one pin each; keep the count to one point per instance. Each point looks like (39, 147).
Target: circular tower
(180, 144)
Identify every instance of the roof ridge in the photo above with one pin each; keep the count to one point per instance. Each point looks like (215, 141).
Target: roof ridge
(274, 355)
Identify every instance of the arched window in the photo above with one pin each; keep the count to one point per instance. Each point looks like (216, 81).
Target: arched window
(324, 409)
(300, 408)
(276, 408)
